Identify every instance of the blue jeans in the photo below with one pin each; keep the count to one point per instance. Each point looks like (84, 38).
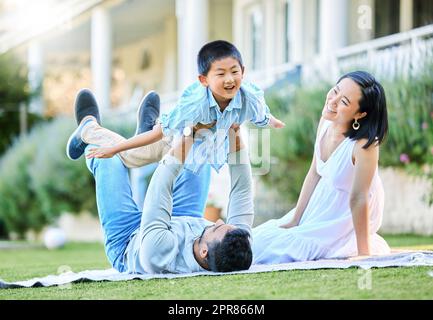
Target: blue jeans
(190, 192)
(118, 212)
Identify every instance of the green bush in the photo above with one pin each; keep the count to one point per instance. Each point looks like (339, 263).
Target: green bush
(292, 146)
(18, 202)
(59, 184)
(38, 182)
(410, 105)
(409, 144)
(14, 91)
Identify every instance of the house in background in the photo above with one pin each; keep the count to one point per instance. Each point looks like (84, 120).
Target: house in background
(124, 48)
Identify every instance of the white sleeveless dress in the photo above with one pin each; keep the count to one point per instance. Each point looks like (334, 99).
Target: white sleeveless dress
(326, 228)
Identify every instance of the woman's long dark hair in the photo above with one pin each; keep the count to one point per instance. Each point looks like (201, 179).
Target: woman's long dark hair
(374, 126)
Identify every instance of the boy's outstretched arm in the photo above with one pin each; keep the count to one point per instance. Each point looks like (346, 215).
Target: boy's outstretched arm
(140, 140)
(276, 123)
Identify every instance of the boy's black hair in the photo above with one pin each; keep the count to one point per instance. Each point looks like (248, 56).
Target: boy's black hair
(232, 253)
(213, 51)
(374, 126)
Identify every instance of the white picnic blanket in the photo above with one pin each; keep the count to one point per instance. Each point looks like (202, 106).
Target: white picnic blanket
(401, 259)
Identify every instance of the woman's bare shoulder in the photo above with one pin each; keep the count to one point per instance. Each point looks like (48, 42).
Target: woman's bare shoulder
(371, 151)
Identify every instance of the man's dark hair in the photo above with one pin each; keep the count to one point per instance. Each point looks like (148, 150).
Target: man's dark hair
(232, 253)
(216, 50)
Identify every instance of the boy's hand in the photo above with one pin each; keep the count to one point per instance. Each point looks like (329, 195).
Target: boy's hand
(276, 123)
(103, 152)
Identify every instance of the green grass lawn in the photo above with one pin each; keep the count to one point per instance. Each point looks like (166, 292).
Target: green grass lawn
(386, 283)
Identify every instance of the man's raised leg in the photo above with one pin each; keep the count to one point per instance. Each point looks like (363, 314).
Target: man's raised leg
(118, 212)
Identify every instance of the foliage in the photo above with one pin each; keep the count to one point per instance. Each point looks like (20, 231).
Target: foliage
(410, 111)
(292, 146)
(38, 182)
(17, 200)
(14, 91)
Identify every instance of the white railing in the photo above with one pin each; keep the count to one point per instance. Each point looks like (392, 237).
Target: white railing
(264, 78)
(401, 54)
(397, 55)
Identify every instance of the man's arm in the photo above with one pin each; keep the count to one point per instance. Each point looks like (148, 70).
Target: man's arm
(159, 196)
(241, 205)
(158, 242)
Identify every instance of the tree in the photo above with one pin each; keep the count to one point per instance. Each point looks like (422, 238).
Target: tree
(14, 92)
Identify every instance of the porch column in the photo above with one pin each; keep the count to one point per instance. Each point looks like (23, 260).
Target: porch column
(35, 64)
(192, 34)
(101, 47)
(406, 15)
(333, 25)
(296, 35)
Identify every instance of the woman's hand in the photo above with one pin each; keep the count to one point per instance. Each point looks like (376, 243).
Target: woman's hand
(102, 152)
(290, 224)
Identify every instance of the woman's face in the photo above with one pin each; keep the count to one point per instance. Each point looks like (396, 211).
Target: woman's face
(342, 103)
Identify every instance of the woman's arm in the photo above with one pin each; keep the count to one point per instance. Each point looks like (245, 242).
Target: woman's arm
(307, 190)
(140, 140)
(366, 161)
(310, 183)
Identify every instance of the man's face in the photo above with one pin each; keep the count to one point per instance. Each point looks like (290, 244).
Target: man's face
(215, 232)
(224, 79)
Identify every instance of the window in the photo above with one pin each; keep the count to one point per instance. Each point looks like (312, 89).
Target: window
(287, 30)
(317, 28)
(386, 17)
(256, 38)
(422, 13)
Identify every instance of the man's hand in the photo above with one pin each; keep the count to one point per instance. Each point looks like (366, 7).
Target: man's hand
(235, 139)
(235, 127)
(200, 126)
(102, 152)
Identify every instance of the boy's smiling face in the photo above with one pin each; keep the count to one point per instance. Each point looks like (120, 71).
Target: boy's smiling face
(223, 79)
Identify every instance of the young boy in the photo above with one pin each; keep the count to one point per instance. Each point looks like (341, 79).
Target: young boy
(219, 97)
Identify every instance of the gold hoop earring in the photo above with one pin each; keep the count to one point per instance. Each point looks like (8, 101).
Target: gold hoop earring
(356, 125)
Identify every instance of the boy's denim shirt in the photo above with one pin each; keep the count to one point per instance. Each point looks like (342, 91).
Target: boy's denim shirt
(197, 105)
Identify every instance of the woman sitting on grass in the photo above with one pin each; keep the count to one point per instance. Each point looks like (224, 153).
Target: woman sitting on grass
(340, 206)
